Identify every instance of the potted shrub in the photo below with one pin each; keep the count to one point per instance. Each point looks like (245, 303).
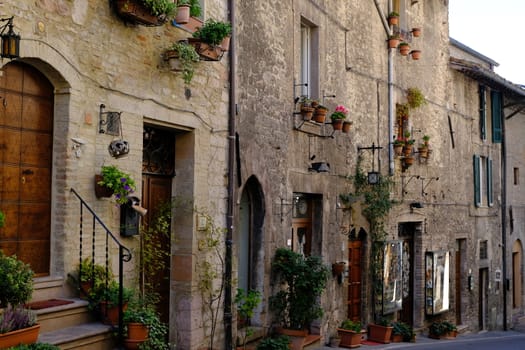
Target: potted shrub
(320, 113)
(182, 57)
(18, 326)
(401, 332)
(338, 117)
(89, 276)
(246, 302)
(139, 317)
(301, 281)
(105, 298)
(380, 332)
(442, 330)
(16, 283)
(350, 334)
(212, 39)
(120, 183)
(399, 143)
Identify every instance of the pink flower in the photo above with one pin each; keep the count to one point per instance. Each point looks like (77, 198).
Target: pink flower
(341, 109)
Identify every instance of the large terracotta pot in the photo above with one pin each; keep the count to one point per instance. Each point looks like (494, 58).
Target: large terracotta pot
(183, 14)
(297, 337)
(21, 336)
(349, 339)
(379, 334)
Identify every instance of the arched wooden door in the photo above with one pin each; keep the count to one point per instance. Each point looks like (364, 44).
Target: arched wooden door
(26, 147)
(354, 279)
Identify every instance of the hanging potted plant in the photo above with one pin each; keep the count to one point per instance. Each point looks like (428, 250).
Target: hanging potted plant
(404, 48)
(416, 54)
(120, 183)
(183, 11)
(182, 57)
(393, 18)
(338, 117)
(393, 41)
(146, 12)
(398, 146)
(416, 32)
(212, 39)
(350, 334)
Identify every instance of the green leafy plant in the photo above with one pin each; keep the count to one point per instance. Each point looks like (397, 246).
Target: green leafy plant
(350, 325)
(141, 311)
(426, 138)
(110, 294)
(403, 329)
(2, 219)
(277, 343)
(16, 283)
(35, 346)
(393, 14)
(213, 32)
(441, 327)
(160, 7)
(301, 280)
(415, 98)
(120, 182)
(195, 8)
(246, 302)
(340, 112)
(402, 110)
(188, 57)
(399, 142)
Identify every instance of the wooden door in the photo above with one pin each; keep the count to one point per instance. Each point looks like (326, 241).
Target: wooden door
(406, 314)
(156, 192)
(354, 280)
(26, 146)
(483, 297)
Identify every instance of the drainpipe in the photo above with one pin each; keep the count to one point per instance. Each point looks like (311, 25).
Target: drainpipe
(228, 336)
(504, 218)
(388, 31)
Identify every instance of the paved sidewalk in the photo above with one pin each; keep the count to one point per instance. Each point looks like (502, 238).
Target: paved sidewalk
(423, 340)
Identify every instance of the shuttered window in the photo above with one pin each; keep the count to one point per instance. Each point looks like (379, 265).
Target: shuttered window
(482, 112)
(477, 182)
(496, 102)
(483, 182)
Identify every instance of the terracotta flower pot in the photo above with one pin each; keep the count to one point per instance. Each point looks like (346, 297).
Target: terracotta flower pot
(380, 334)
(404, 50)
(393, 43)
(349, 339)
(100, 190)
(416, 32)
(347, 126)
(337, 124)
(21, 336)
(183, 14)
(416, 54)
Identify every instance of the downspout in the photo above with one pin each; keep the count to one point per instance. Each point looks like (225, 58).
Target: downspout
(388, 31)
(228, 336)
(504, 218)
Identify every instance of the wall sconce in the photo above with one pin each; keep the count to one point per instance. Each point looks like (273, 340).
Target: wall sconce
(109, 122)
(10, 40)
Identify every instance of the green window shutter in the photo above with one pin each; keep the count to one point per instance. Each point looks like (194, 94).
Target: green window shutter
(490, 201)
(477, 182)
(496, 116)
(482, 113)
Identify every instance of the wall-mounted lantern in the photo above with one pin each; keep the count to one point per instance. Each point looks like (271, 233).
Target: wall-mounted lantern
(373, 176)
(110, 123)
(10, 40)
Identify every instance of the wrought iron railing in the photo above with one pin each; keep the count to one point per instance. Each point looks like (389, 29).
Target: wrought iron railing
(97, 228)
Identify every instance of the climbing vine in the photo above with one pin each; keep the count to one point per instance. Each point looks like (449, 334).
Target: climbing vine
(376, 206)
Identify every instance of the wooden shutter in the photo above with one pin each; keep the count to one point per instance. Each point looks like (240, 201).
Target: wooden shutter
(482, 113)
(490, 201)
(496, 116)
(477, 189)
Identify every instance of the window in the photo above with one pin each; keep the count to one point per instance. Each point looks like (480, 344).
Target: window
(483, 195)
(483, 250)
(496, 102)
(482, 112)
(309, 61)
(516, 176)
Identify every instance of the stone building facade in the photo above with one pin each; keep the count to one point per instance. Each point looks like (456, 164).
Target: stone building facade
(247, 161)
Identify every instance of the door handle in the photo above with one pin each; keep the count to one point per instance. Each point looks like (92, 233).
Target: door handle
(28, 172)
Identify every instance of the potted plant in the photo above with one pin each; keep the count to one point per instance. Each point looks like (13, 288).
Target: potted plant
(281, 342)
(350, 334)
(393, 18)
(18, 326)
(105, 299)
(426, 138)
(139, 317)
(399, 143)
(182, 57)
(16, 283)
(393, 41)
(89, 276)
(301, 281)
(338, 117)
(415, 97)
(442, 330)
(347, 124)
(404, 48)
(183, 11)
(212, 39)
(416, 54)
(305, 106)
(147, 12)
(409, 143)
(401, 332)
(119, 182)
(380, 332)
(416, 32)
(320, 113)
(246, 302)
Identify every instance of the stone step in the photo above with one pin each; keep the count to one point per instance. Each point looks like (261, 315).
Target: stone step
(88, 336)
(62, 316)
(49, 287)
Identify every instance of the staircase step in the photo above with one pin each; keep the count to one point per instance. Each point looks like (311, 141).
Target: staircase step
(48, 287)
(73, 314)
(88, 336)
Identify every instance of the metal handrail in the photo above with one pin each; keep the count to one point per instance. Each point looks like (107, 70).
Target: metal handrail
(124, 256)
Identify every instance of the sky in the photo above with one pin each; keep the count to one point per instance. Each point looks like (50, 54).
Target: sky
(494, 29)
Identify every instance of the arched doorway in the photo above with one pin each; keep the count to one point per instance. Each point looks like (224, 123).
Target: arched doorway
(517, 290)
(250, 236)
(26, 148)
